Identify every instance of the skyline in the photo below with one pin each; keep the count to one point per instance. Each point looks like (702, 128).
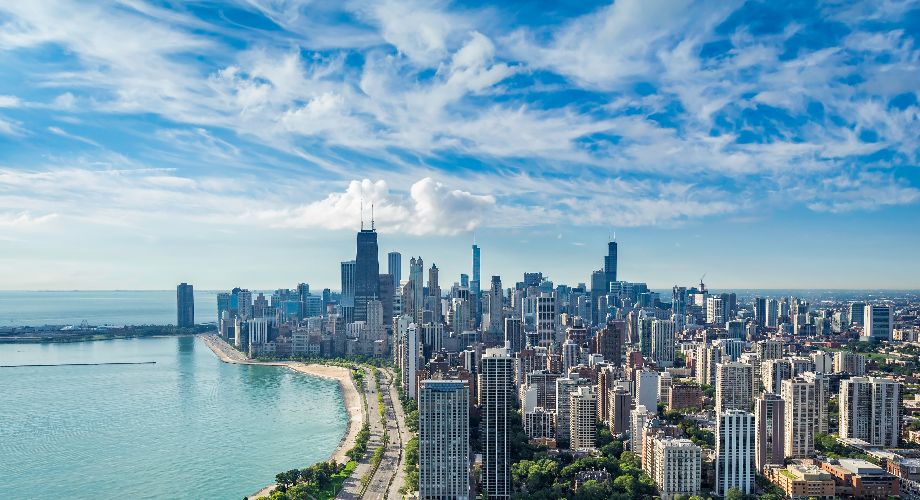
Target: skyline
(224, 143)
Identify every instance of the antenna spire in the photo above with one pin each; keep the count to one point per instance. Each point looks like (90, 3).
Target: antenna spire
(362, 213)
(372, 216)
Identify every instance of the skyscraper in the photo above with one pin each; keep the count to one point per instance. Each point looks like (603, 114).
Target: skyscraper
(735, 465)
(394, 268)
(475, 285)
(565, 387)
(879, 319)
(647, 390)
(416, 301)
(799, 406)
(870, 409)
(610, 264)
(663, 342)
(768, 443)
(185, 306)
(609, 342)
(348, 283)
(583, 409)
(496, 397)
(367, 271)
(514, 334)
(444, 439)
(733, 386)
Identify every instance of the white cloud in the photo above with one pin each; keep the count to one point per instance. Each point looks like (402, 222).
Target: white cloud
(9, 101)
(420, 30)
(430, 207)
(24, 219)
(863, 191)
(8, 127)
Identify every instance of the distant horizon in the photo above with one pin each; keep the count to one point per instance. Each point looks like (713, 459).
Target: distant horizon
(312, 289)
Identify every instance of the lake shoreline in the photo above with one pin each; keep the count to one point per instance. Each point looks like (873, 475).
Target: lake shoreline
(354, 408)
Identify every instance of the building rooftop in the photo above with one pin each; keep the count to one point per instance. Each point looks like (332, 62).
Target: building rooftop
(861, 467)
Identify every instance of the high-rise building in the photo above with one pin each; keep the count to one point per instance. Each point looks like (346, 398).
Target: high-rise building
(599, 288)
(394, 268)
(857, 313)
(496, 397)
(475, 285)
(647, 390)
(716, 310)
(185, 306)
(774, 371)
(879, 319)
(223, 305)
(619, 406)
(609, 342)
(514, 334)
(367, 271)
(799, 407)
(706, 358)
(492, 317)
(644, 325)
(637, 420)
(771, 316)
(348, 283)
(678, 467)
(416, 289)
(679, 299)
(610, 264)
(733, 386)
(565, 387)
(870, 409)
(663, 342)
(444, 439)
(546, 318)
(582, 428)
(769, 412)
(851, 363)
(735, 463)
(822, 396)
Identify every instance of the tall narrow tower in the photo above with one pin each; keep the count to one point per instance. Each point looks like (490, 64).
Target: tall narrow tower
(185, 306)
(367, 271)
(475, 283)
(496, 396)
(610, 263)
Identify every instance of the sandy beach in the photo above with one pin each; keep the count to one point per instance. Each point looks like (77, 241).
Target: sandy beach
(352, 398)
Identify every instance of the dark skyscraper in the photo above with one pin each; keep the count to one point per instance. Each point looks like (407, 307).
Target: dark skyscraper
(475, 284)
(185, 306)
(394, 268)
(610, 263)
(367, 272)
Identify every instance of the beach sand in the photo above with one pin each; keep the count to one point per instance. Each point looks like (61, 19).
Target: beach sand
(352, 399)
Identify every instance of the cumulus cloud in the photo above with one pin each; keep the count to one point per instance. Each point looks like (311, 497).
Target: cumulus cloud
(429, 207)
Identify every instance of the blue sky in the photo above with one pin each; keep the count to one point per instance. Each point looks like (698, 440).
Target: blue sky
(768, 144)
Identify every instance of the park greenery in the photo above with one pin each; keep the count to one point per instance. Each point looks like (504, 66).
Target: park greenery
(320, 481)
(549, 478)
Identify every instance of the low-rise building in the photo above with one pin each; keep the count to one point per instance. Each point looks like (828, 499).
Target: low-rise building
(802, 481)
(861, 479)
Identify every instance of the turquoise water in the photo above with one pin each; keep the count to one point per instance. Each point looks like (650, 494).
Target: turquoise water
(188, 426)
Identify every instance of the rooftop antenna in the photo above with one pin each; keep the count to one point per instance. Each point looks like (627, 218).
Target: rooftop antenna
(362, 213)
(372, 216)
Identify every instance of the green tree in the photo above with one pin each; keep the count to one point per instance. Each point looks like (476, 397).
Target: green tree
(734, 494)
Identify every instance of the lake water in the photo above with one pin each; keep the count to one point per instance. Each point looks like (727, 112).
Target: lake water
(188, 426)
(113, 307)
